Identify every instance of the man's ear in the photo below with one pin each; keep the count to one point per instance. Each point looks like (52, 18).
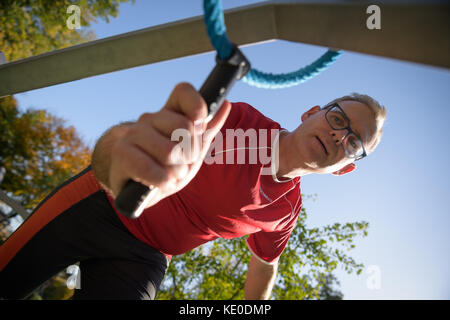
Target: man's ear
(348, 168)
(310, 112)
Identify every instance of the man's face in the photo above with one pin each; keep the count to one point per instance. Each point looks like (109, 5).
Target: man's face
(318, 147)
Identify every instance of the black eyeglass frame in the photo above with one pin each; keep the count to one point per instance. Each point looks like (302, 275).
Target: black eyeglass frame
(348, 128)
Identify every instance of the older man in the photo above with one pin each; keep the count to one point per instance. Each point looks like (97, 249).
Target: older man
(210, 192)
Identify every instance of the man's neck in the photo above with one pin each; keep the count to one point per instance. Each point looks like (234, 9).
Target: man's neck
(288, 166)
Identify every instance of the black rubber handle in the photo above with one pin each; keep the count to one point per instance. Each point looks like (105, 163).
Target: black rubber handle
(134, 197)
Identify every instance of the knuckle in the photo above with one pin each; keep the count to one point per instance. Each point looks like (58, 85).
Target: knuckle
(118, 149)
(169, 154)
(132, 132)
(200, 111)
(151, 172)
(145, 117)
(184, 87)
(147, 168)
(178, 171)
(186, 124)
(159, 175)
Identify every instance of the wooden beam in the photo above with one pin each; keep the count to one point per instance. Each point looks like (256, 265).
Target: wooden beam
(410, 32)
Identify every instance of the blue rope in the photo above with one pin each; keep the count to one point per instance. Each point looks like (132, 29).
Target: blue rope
(215, 25)
(217, 32)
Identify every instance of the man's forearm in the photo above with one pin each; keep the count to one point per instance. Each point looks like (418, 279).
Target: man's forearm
(101, 156)
(260, 280)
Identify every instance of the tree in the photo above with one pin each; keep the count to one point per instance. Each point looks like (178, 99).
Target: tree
(32, 27)
(218, 270)
(38, 152)
(327, 290)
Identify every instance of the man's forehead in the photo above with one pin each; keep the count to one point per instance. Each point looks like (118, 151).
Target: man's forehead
(362, 119)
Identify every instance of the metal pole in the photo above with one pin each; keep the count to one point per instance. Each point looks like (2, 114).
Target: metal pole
(14, 205)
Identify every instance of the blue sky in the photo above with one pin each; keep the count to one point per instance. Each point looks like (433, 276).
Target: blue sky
(401, 189)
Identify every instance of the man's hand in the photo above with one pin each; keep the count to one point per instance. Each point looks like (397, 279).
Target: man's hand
(146, 153)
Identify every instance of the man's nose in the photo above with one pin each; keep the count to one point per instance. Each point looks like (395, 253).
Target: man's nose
(338, 136)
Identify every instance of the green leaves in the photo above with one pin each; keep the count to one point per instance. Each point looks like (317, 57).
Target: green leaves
(213, 271)
(32, 27)
(217, 270)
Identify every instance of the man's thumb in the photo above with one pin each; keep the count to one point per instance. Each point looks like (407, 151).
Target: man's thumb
(217, 121)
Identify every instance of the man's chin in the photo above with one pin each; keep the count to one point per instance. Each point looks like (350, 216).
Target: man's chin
(319, 168)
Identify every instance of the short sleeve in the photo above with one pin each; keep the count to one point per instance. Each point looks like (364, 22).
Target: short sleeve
(268, 246)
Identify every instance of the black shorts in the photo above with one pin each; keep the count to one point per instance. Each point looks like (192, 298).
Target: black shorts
(76, 223)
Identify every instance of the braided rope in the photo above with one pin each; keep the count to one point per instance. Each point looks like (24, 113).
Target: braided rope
(217, 32)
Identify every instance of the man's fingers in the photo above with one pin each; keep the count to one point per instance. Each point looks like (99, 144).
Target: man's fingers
(217, 121)
(154, 152)
(167, 121)
(135, 164)
(160, 147)
(145, 170)
(213, 128)
(185, 99)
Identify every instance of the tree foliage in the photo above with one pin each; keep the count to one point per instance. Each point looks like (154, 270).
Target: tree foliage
(32, 27)
(37, 149)
(218, 270)
(38, 152)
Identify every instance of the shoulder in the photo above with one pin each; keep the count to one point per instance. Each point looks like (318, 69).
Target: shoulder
(245, 116)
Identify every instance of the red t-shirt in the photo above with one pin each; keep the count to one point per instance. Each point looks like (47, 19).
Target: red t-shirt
(226, 199)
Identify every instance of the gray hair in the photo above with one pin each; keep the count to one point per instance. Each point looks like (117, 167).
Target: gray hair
(378, 110)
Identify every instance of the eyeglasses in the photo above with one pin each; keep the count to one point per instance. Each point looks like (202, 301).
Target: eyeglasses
(352, 143)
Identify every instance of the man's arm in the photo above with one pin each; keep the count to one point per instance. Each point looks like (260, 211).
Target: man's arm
(101, 156)
(260, 279)
(145, 152)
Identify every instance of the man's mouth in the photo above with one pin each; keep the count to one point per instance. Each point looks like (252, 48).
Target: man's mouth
(323, 145)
